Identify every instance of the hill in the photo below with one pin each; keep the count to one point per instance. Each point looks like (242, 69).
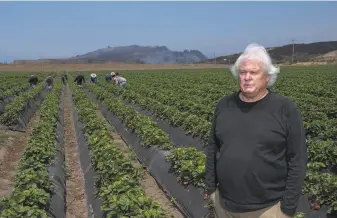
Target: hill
(310, 52)
(133, 54)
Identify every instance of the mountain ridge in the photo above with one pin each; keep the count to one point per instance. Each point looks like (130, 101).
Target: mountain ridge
(324, 51)
(133, 54)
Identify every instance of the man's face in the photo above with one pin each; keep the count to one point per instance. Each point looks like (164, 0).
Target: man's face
(252, 78)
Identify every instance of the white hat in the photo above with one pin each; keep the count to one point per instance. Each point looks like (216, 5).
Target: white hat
(93, 75)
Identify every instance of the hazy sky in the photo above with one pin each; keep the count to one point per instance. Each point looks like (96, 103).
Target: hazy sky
(63, 29)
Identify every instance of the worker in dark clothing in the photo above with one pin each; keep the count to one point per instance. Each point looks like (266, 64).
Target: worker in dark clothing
(64, 79)
(33, 81)
(79, 80)
(260, 137)
(49, 82)
(108, 77)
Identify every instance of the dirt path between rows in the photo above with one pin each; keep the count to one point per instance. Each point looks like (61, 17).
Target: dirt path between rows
(149, 184)
(76, 201)
(12, 148)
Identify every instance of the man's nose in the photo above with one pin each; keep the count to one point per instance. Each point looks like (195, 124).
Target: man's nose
(247, 76)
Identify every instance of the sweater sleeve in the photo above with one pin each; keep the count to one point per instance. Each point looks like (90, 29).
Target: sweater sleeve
(210, 174)
(297, 157)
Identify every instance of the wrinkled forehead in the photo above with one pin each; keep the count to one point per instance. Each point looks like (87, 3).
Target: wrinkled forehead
(251, 65)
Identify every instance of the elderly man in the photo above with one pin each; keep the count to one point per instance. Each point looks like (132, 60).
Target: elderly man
(261, 140)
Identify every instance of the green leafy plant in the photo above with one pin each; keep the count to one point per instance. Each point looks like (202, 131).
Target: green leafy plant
(189, 165)
(146, 129)
(32, 184)
(118, 180)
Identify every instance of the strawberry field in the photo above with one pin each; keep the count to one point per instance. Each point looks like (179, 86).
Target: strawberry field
(163, 120)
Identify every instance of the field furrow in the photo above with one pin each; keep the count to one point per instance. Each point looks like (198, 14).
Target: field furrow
(117, 180)
(39, 178)
(98, 150)
(76, 202)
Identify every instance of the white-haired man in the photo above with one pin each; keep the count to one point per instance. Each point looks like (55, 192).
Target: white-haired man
(261, 140)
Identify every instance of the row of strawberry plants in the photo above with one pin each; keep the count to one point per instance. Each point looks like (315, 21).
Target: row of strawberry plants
(315, 110)
(32, 185)
(16, 89)
(323, 128)
(204, 106)
(189, 166)
(118, 181)
(9, 83)
(322, 154)
(186, 100)
(187, 163)
(321, 185)
(15, 108)
(183, 101)
(145, 129)
(317, 105)
(193, 124)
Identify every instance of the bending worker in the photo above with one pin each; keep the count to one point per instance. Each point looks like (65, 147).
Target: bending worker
(33, 81)
(64, 79)
(108, 77)
(93, 78)
(120, 81)
(79, 79)
(49, 82)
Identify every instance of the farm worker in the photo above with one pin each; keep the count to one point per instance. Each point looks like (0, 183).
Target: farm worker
(64, 79)
(261, 140)
(93, 78)
(33, 81)
(79, 80)
(108, 77)
(113, 75)
(120, 81)
(49, 82)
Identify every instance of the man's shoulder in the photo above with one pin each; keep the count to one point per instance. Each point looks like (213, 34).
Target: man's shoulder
(283, 101)
(226, 100)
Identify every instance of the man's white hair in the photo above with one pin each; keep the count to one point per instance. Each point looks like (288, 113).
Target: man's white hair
(257, 52)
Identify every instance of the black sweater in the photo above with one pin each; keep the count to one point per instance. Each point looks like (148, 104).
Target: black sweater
(79, 79)
(33, 80)
(263, 153)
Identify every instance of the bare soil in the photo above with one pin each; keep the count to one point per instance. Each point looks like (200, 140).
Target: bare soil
(12, 146)
(149, 184)
(98, 67)
(76, 201)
